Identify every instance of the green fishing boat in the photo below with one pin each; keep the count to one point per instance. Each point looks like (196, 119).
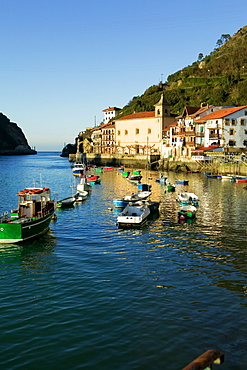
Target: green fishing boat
(32, 217)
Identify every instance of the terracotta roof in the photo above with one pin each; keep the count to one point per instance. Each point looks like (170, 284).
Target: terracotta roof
(138, 115)
(170, 126)
(110, 109)
(221, 113)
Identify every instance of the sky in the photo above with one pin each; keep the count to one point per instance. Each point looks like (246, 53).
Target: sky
(63, 61)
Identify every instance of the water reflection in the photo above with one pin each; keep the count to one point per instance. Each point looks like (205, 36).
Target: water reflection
(31, 257)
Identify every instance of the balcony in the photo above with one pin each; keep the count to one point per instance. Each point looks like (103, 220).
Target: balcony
(190, 143)
(190, 133)
(215, 136)
(199, 134)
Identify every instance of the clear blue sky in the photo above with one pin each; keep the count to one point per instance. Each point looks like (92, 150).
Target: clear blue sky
(64, 61)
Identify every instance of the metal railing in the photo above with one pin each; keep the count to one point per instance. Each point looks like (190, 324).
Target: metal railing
(206, 360)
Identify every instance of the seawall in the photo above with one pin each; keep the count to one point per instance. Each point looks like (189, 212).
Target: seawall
(130, 161)
(154, 162)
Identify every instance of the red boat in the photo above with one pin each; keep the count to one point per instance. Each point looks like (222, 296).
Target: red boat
(92, 179)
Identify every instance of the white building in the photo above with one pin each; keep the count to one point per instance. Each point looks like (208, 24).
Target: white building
(226, 127)
(110, 113)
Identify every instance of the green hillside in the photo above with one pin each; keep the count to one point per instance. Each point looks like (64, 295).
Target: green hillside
(219, 78)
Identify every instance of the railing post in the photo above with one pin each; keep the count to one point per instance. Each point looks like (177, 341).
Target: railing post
(206, 360)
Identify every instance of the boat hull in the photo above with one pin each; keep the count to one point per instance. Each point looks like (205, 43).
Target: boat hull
(144, 187)
(183, 182)
(18, 232)
(133, 217)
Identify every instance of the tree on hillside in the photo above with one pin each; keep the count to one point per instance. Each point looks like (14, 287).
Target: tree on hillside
(200, 57)
(225, 37)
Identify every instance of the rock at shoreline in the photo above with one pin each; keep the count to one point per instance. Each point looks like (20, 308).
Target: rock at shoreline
(68, 149)
(12, 139)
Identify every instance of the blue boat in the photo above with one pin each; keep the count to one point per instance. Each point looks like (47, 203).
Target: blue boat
(182, 181)
(144, 187)
(123, 202)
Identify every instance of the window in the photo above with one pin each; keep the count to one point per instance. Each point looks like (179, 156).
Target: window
(245, 112)
(201, 129)
(227, 122)
(245, 132)
(118, 132)
(231, 131)
(242, 122)
(232, 143)
(137, 131)
(125, 132)
(245, 142)
(149, 130)
(158, 111)
(233, 122)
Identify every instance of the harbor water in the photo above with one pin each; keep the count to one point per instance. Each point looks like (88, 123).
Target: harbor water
(88, 295)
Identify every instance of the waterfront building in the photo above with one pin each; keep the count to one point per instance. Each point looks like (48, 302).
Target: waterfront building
(141, 133)
(108, 138)
(110, 113)
(226, 127)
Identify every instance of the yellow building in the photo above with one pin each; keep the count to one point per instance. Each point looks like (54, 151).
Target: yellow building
(141, 133)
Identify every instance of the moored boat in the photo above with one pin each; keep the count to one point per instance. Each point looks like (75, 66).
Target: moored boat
(135, 178)
(98, 169)
(226, 177)
(66, 202)
(125, 174)
(83, 185)
(133, 216)
(81, 195)
(188, 198)
(135, 197)
(78, 169)
(171, 188)
(93, 179)
(153, 206)
(188, 211)
(161, 180)
(212, 176)
(144, 187)
(32, 217)
(182, 181)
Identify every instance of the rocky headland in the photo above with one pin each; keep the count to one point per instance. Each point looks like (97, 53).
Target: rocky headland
(12, 139)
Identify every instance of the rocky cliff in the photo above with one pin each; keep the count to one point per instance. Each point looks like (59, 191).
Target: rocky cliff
(12, 139)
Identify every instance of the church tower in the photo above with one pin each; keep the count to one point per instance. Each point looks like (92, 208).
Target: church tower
(162, 109)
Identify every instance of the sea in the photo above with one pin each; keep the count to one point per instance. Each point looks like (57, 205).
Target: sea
(88, 295)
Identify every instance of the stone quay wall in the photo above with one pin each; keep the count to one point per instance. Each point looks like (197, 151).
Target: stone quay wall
(154, 162)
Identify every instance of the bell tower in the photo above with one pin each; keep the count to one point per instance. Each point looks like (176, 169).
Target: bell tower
(162, 109)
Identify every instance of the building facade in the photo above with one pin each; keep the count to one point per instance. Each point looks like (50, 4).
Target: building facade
(110, 113)
(141, 133)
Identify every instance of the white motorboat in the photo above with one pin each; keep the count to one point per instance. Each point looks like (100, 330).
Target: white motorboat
(134, 215)
(83, 185)
(81, 195)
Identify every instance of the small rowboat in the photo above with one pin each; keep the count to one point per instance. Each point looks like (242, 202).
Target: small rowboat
(182, 181)
(66, 202)
(187, 212)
